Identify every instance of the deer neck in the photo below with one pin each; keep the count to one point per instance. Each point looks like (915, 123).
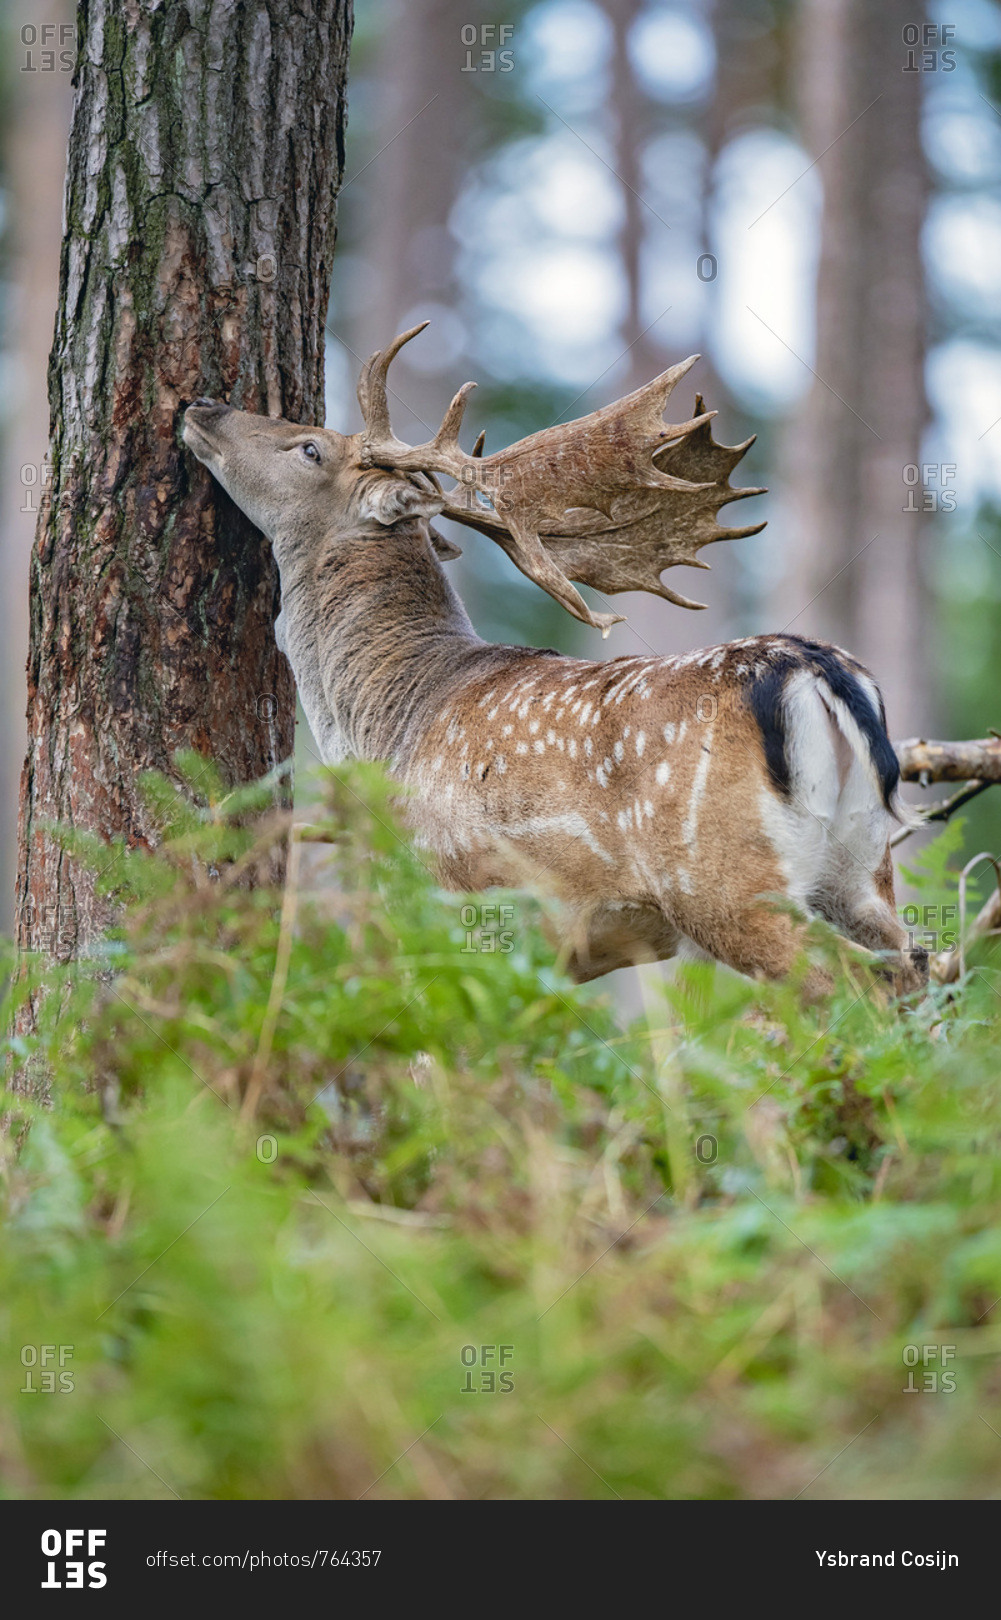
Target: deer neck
(376, 637)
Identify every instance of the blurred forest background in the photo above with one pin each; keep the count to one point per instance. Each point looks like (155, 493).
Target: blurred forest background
(808, 192)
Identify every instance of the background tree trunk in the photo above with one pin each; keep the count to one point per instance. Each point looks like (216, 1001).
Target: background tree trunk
(426, 103)
(204, 160)
(634, 121)
(855, 575)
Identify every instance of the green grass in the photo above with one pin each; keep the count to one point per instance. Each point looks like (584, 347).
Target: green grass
(294, 1172)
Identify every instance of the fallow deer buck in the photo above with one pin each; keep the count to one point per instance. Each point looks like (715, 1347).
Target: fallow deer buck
(660, 800)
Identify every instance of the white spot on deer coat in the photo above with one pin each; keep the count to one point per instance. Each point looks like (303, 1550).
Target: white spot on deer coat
(690, 825)
(570, 822)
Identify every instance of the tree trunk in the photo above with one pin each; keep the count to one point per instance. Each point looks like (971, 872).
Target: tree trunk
(204, 160)
(854, 574)
(38, 122)
(633, 121)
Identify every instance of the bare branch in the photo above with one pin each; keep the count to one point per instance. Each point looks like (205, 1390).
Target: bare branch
(945, 966)
(923, 761)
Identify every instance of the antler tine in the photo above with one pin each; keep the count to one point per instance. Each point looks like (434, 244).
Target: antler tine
(728, 495)
(447, 437)
(682, 601)
(748, 529)
(381, 447)
(372, 382)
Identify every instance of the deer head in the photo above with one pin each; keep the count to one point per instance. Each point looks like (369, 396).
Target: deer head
(611, 499)
(300, 483)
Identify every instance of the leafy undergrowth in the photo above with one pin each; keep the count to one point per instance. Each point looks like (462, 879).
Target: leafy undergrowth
(359, 1195)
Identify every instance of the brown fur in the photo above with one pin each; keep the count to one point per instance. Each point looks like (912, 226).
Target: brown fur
(634, 792)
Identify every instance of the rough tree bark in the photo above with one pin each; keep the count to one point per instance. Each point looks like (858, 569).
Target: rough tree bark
(39, 119)
(204, 160)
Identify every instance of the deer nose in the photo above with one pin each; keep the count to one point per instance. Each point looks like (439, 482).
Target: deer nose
(205, 404)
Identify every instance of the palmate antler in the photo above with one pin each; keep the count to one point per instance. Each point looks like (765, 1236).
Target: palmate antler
(611, 499)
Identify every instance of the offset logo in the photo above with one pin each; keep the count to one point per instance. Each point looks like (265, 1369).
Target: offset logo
(65, 1564)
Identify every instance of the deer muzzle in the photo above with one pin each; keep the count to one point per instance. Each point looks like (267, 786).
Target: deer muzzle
(199, 420)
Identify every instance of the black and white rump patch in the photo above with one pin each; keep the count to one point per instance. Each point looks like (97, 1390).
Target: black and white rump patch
(845, 678)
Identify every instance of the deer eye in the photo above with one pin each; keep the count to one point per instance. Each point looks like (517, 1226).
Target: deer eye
(310, 452)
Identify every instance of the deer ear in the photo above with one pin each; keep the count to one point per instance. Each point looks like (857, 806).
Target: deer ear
(445, 549)
(389, 500)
